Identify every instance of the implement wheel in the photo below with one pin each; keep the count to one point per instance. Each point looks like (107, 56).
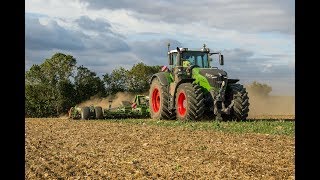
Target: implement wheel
(98, 112)
(85, 112)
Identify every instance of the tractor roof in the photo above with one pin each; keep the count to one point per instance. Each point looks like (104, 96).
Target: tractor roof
(187, 49)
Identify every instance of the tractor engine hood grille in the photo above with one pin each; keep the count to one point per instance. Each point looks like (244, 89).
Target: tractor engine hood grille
(215, 77)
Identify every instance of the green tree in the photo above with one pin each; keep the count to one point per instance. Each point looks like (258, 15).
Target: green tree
(38, 101)
(87, 84)
(138, 77)
(107, 82)
(116, 81)
(46, 85)
(135, 80)
(66, 95)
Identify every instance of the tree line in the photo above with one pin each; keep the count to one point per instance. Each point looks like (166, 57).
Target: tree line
(57, 84)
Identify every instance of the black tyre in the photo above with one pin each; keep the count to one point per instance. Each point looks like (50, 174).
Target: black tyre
(189, 102)
(241, 104)
(98, 112)
(159, 101)
(85, 112)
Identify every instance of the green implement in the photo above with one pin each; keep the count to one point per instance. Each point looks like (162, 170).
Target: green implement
(137, 109)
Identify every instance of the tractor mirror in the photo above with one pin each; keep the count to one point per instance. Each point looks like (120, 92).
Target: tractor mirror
(179, 63)
(221, 61)
(178, 49)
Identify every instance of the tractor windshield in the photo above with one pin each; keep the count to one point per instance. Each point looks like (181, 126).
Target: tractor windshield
(196, 58)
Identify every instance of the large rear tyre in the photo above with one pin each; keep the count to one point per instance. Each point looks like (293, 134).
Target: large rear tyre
(189, 102)
(159, 101)
(241, 104)
(98, 112)
(85, 112)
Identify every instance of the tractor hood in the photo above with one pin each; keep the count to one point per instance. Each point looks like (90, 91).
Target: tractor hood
(209, 78)
(211, 73)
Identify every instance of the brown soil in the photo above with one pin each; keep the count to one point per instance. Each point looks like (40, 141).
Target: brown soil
(70, 149)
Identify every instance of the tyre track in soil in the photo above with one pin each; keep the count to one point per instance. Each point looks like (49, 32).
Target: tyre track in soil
(69, 149)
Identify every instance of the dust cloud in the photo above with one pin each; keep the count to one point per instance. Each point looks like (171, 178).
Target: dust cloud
(270, 105)
(104, 102)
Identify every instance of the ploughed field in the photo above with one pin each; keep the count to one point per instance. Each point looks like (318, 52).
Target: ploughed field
(150, 149)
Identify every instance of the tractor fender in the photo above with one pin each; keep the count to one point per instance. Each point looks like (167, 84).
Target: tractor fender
(163, 77)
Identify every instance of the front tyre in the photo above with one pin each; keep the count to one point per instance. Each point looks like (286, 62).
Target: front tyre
(159, 101)
(189, 102)
(241, 104)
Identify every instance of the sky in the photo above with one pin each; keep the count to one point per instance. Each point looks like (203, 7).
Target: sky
(256, 37)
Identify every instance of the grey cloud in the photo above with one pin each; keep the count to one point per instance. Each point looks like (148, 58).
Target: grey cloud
(53, 36)
(237, 54)
(242, 15)
(42, 41)
(106, 42)
(240, 63)
(50, 36)
(103, 62)
(157, 48)
(97, 25)
(153, 52)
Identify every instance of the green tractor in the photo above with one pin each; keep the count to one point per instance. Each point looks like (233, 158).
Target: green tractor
(192, 90)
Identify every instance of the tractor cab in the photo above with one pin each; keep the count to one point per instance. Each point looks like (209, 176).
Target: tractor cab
(189, 58)
(183, 60)
(192, 57)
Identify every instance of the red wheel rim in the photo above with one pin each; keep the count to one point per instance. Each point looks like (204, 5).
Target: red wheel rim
(155, 100)
(182, 104)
